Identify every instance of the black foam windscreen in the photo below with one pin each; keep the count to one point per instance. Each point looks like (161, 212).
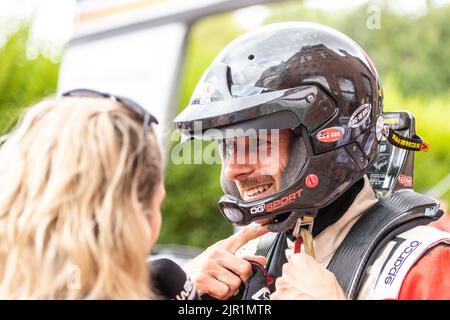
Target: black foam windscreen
(169, 281)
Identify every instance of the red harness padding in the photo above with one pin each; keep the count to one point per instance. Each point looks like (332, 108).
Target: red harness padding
(298, 245)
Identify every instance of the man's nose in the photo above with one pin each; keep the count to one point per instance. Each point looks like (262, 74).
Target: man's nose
(236, 169)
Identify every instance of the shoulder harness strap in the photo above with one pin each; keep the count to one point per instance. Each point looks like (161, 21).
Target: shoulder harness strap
(389, 217)
(272, 246)
(265, 244)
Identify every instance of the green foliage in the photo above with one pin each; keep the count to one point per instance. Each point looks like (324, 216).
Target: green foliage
(414, 49)
(22, 81)
(190, 212)
(431, 116)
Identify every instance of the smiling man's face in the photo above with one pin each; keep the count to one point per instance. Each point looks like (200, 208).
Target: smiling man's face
(257, 176)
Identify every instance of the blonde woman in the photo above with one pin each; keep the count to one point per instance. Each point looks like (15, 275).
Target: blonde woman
(81, 188)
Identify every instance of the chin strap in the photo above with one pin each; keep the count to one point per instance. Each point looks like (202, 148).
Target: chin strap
(302, 231)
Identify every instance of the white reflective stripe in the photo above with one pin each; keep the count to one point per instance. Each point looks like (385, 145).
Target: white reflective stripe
(385, 277)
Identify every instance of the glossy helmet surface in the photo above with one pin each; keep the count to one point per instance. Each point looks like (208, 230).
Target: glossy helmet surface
(300, 76)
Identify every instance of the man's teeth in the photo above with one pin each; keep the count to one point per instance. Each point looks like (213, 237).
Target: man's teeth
(257, 190)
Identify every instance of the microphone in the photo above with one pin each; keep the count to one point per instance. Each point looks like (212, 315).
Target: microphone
(169, 281)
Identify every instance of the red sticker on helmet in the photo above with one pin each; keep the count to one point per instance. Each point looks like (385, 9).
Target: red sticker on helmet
(311, 181)
(330, 134)
(405, 180)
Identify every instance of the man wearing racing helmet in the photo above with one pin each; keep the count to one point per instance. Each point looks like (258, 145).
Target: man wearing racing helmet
(298, 111)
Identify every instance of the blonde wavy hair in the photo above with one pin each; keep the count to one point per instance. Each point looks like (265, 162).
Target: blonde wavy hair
(73, 174)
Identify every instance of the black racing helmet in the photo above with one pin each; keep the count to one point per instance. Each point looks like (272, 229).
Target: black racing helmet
(301, 76)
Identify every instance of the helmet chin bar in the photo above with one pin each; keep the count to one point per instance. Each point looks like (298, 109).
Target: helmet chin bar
(335, 172)
(239, 214)
(242, 213)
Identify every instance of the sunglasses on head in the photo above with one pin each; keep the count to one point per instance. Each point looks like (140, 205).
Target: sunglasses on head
(134, 107)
